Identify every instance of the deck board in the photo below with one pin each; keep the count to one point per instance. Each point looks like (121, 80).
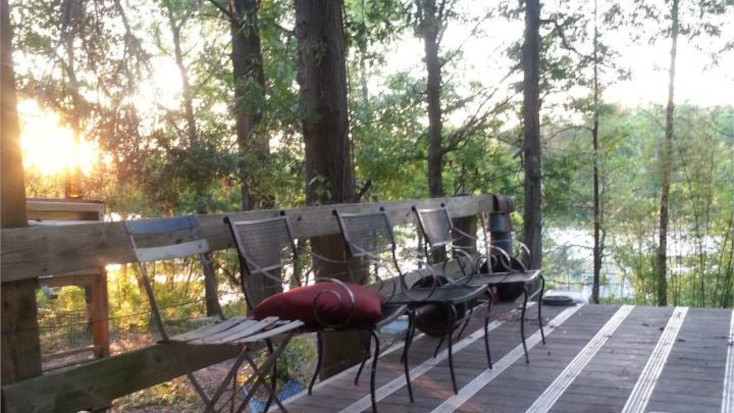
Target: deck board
(614, 370)
(691, 379)
(700, 352)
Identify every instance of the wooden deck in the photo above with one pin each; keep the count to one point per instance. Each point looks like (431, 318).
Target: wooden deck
(597, 359)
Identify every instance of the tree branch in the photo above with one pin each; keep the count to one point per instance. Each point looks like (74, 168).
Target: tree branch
(559, 29)
(231, 16)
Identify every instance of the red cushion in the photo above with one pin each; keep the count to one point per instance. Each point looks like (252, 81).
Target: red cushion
(298, 304)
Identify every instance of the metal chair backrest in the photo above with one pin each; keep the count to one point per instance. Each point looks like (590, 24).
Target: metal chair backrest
(440, 235)
(164, 239)
(371, 250)
(436, 226)
(265, 247)
(366, 234)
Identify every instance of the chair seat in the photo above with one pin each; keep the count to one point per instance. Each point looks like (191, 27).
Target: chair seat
(504, 278)
(448, 294)
(238, 330)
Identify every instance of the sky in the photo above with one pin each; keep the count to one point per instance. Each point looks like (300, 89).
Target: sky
(697, 81)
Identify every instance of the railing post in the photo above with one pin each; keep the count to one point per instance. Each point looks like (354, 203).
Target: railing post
(99, 306)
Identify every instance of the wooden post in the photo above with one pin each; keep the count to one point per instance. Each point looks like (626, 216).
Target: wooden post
(99, 309)
(21, 351)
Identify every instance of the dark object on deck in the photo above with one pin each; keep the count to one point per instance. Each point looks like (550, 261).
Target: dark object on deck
(242, 331)
(560, 300)
(501, 255)
(506, 292)
(431, 319)
(564, 298)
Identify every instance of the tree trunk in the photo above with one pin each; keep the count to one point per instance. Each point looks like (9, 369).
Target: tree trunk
(73, 172)
(595, 161)
(430, 27)
(21, 351)
(210, 282)
(667, 149)
(323, 84)
(249, 90)
(183, 73)
(249, 87)
(531, 133)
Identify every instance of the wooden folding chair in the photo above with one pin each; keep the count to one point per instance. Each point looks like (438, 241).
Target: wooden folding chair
(175, 238)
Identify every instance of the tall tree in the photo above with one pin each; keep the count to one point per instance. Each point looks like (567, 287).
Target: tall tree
(532, 225)
(177, 19)
(249, 97)
(661, 268)
(430, 20)
(21, 351)
(249, 80)
(598, 249)
(323, 82)
(432, 17)
(70, 25)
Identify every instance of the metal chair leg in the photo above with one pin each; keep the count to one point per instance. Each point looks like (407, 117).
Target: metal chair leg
(452, 320)
(409, 334)
(540, 307)
(319, 355)
(274, 378)
(367, 354)
(220, 390)
(404, 357)
(374, 370)
(198, 388)
(522, 323)
(440, 342)
(234, 394)
(260, 378)
(486, 333)
(466, 322)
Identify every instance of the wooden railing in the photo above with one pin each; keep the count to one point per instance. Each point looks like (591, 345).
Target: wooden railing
(31, 252)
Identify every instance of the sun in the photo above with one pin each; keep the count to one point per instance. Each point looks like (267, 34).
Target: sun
(48, 145)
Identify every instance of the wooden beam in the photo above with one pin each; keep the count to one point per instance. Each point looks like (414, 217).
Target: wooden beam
(90, 386)
(36, 251)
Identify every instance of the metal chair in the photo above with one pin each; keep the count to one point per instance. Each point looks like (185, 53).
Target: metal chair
(439, 232)
(175, 238)
(266, 247)
(370, 242)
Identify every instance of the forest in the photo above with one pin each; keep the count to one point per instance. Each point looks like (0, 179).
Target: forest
(611, 124)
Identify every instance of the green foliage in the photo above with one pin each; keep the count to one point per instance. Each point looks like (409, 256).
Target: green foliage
(701, 200)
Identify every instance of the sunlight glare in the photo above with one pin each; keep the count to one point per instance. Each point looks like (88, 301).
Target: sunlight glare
(48, 145)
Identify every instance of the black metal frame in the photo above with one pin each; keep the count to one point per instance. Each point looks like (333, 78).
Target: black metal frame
(370, 331)
(490, 279)
(448, 295)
